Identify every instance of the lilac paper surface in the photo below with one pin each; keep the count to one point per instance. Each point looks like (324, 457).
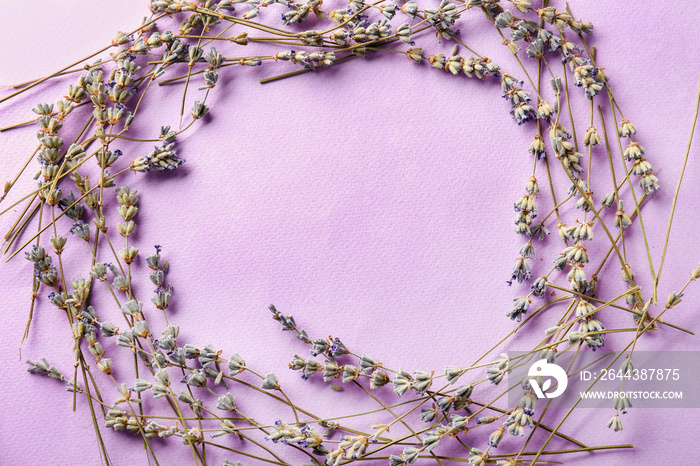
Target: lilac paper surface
(373, 202)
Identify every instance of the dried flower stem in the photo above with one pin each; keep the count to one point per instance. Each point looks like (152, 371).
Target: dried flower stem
(675, 194)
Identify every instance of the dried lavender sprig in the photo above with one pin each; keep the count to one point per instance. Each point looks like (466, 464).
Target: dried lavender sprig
(289, 324)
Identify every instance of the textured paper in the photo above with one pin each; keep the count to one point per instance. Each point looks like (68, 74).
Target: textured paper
(372, 201)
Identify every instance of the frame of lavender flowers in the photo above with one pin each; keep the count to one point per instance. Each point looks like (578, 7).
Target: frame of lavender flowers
(449, 413)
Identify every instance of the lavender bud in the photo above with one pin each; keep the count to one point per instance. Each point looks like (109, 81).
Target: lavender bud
(270, 382)
(108, 329)
(226, 402)
(236, 364)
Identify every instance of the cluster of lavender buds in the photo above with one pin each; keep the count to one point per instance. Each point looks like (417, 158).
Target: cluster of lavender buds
(519, 99)
(192, 385)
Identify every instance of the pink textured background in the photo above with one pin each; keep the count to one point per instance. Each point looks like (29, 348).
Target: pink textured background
(373, 202)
